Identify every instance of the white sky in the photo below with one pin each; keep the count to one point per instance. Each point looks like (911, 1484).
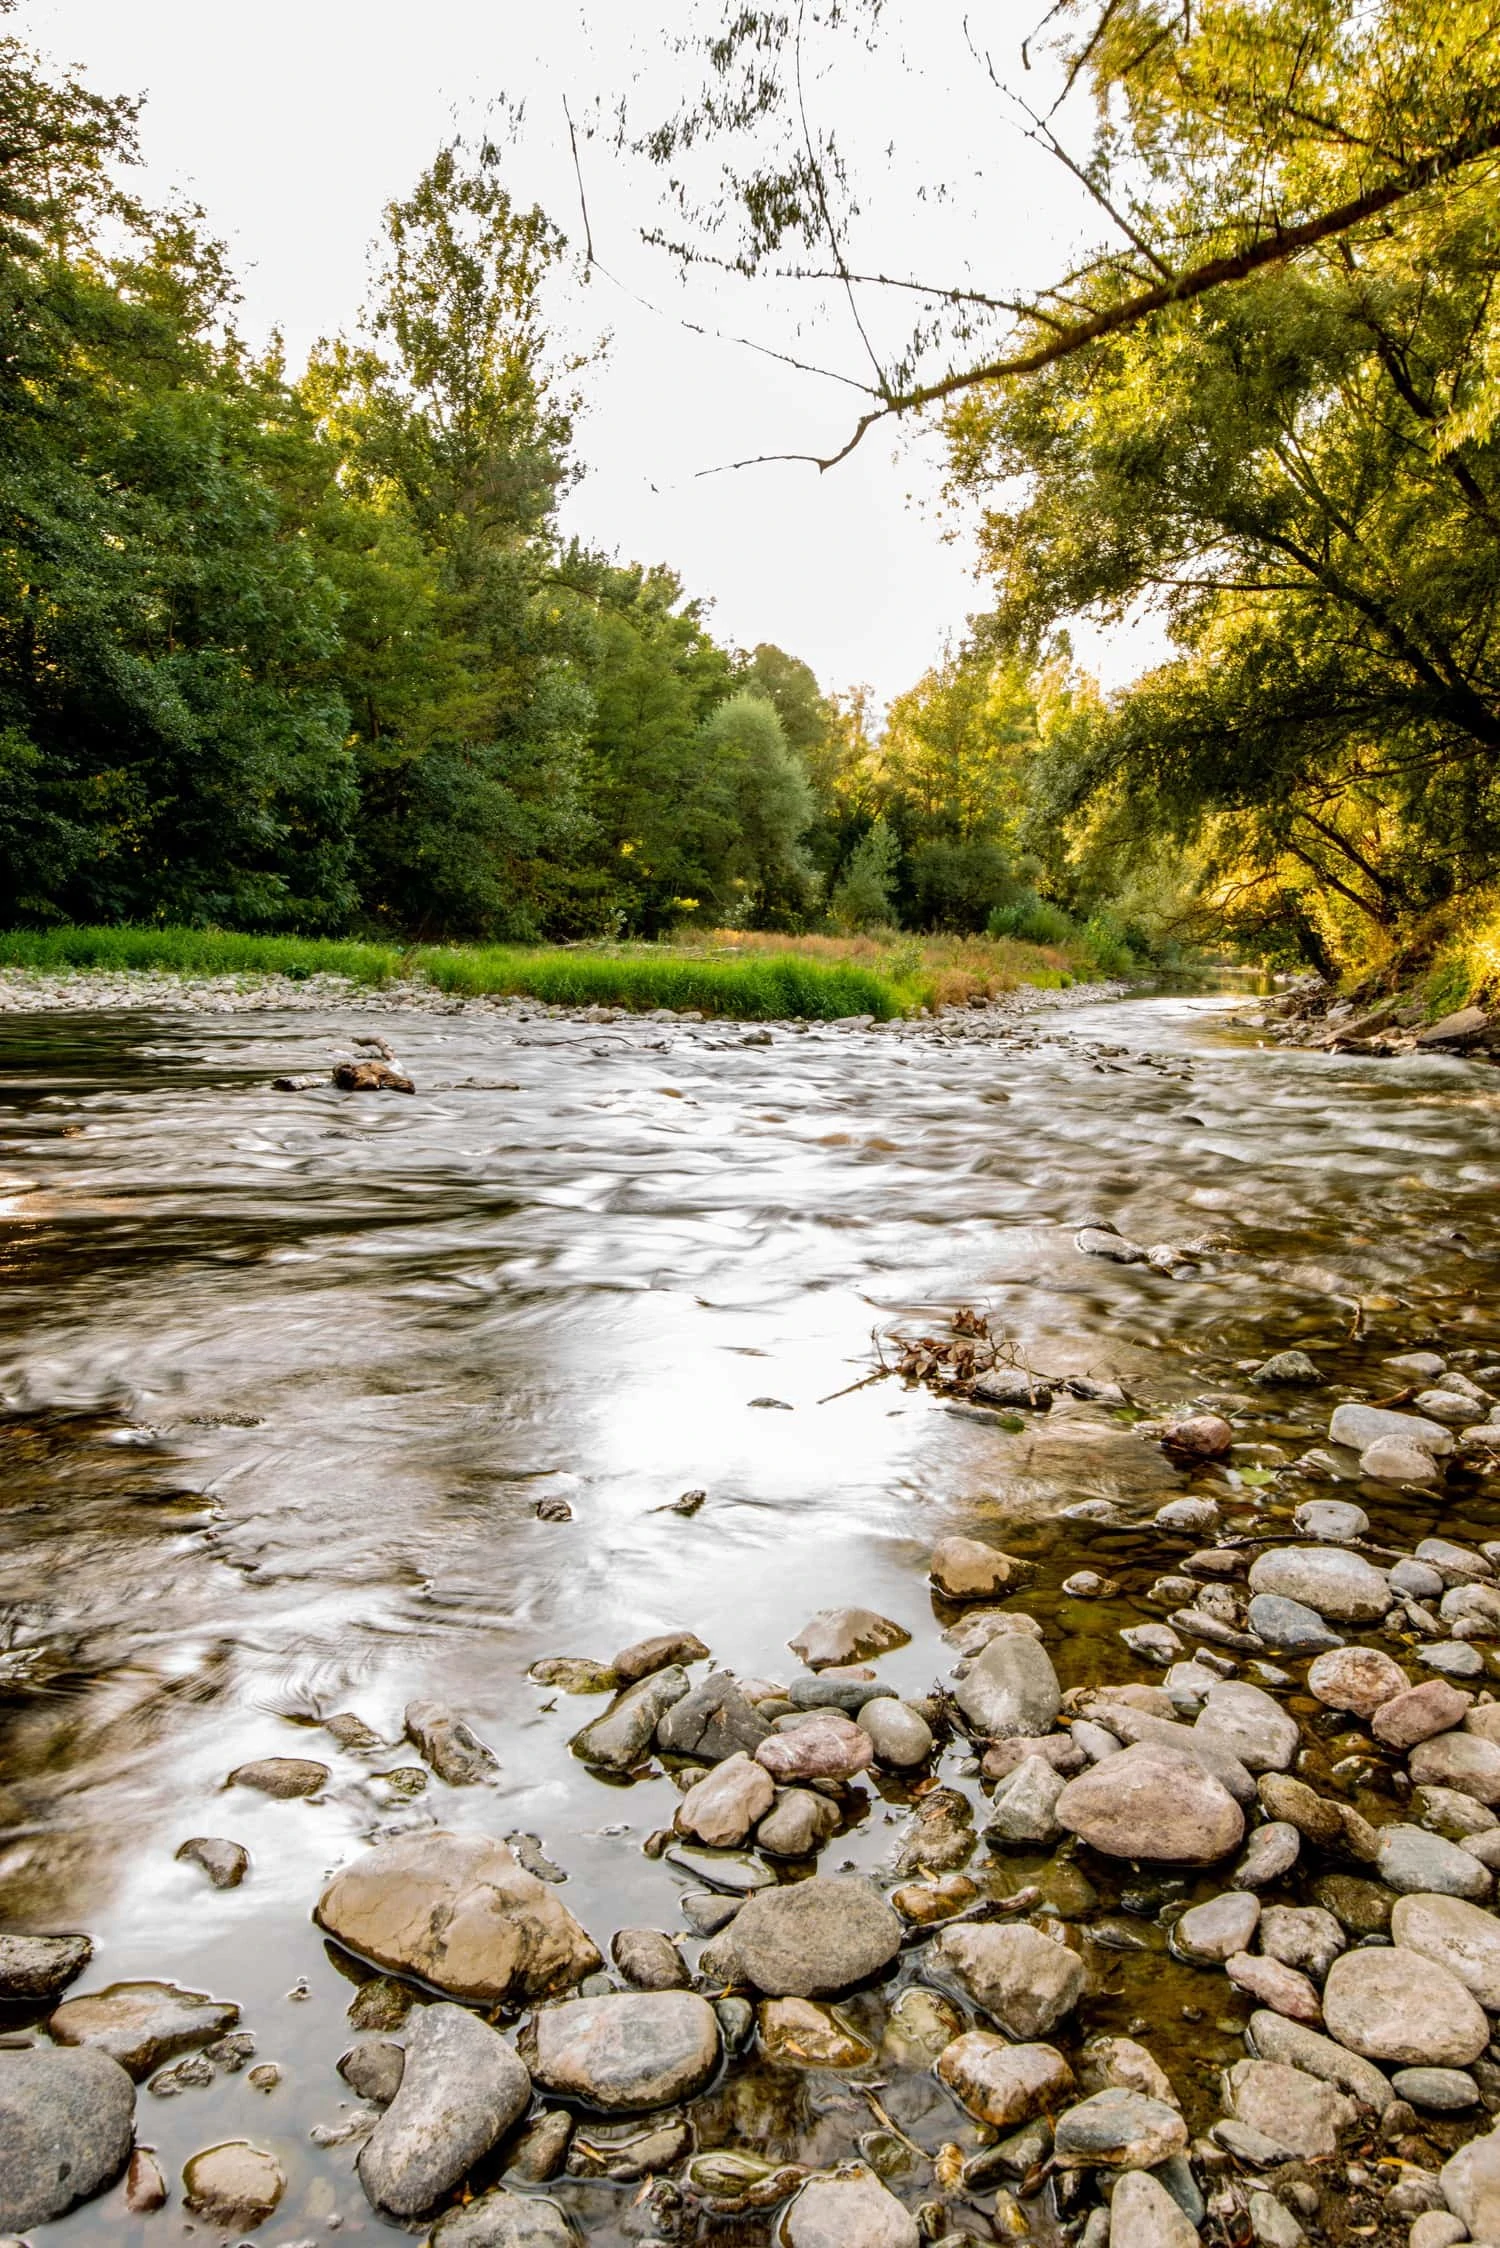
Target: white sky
(295, 121)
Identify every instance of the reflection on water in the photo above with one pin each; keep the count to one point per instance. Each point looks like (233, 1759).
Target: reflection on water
(287, 1376)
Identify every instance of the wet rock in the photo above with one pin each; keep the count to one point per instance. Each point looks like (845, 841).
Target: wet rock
(850, 2208)
(504, 2220)
(1012, 1386)
(712, 1721)
(145, 2186)
(1155, 1805)
(1154, 1643)
(1059, 1750)
(1463, 1761)
(66, 2124)
(733, 1871)
(827, 1690)
(1436, 2228)
(1471, 2185)
(1396, 1459)
(1120, 2130)
(644, 1656)
(1411, 1860)
(1250, 1725)
(627, 2051)
(1285, 1990)
(1142, 2214)
(797, 1825)
(920, 2026)
(1360, 1426)
(41, 1966)
(826, 1745)
(1103, 1241)
(1192, 1517)
(814, 1937)
(967, 1569)
(1010, 1688)
(1024, 1809)
(1358, 1679)
(900, 1735)
(1290, 1625)
(140, 2025)
(452, 1748)
(461, 1913)
(846, 1635)
(1273, 2037)
(1288, 1369)
(1382, 2005)
(799, 2033)
(1004, 2084)
(1119, 2062)
(373, 2069)
(1331, 1521)
(723, 1808)
(461, 2089)
(1417, 1579)
(1199, 1436)
(1273, 1849)
(627, 2152)
(1472, 1611)
(973, 1632)
(1363, 1907)
(575, 1674)
(649, 1960)
(538, 2154)
(1022, 1979)
(1297, 2111)
(370, 1077)
(1458, 1818)
(1420, 1713)
(1302, 1936)
(925, 1903)
(1455, 1658)
(234, 2184)
(1301, 1806)
(1438, 2091)
(1458, 1935)
(382, 2004)
(1087, 1584)
(1215, 1931)
(621, 1738)
(1330, 1579)
(286, 1777)
(941, 1837)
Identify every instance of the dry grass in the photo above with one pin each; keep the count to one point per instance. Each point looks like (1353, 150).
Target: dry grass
(947, 971)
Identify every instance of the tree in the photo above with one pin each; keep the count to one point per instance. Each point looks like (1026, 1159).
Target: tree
(755, 808)
(863, 896)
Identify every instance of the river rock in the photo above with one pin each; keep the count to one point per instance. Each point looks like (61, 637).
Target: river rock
(1360, 1426)
(900, 1735)
(1119, 2130)
(967, 1569)
(1272, 1851)
(850, 2208)
(1270, 1982)
(1022, 1979)
(711, 1721)
(1420, 1713)
(1463, 1761)
(1120, 2062)
(1296, 2111)
(1010, 1688)
(1004, 2084)
(1419, 1580)
(797, 1824)
(1059, 1750)
(1302, 1936)
(799, 2033)
(66, 2125)
(1215, 1931)
(1358, 1679)
(811, 1938)
(1411, 1860)
(826, 1745)
(373, 2069)
(846, 1635)
(1438, 2091)
(1288, 1369)
(1142, 2214)
(1330, 1579)
(41, 1966)
(973, 1632)
(1301, 1806)
(461, 1913)
(621, 1738)
(225, 1863)
(1458, 1935)
(644, 1656)
(1458, 1818)
(451, 1746)
(461, 2089)
(1024, 1808)
(829, 1689)
(1331, 1521)
(504, 2220)
(649, 1960)
(1381, 2004)
(1155, 1805)
(1250, 1725)
(723, 1808)
(1454, 1658)
(1290, 1625)
(1190, 1517)
(1199, 1436)
(575, 1674)
(286, 1777)
(140, 2025)
(1273, 2037)
(629, 2050)
(1471, 2185)
(1396, 1459)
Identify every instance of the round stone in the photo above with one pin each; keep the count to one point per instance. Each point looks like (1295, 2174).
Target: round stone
(1464, 1761)
(848, 2209)
(1458, 1935)
(1010, 1688)
(810, 1938)
(1357, 1679)
(1118, 2129)
(1439, 2091)
(284, 1776)
(1338, 1521)
(626, 2051)
(1217, 1930)
(1290, 1625)
(235, 2184)
(1153, 1804)
(1330, 1579)
(66, 2124)
(504, 2220)
(1390, 2005)
(967, 1569)
(1004, 2084)
(1411, 1860)
(899, 1734)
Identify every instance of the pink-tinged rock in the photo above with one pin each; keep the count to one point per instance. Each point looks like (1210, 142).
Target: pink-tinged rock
(1199, 1436)
(1272, 1984)
(1155, 1805)
(723, 1808)
(1420, 1713)
(967, 1569)
(1359, 1679)
(1001, 2083)
(1463, 1761)
(829, 1746)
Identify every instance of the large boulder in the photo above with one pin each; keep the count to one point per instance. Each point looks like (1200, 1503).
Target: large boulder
(809, 1938)
(626, 2051)
(461, 2089)
(1459, 1936)
(1395, 2005)
(66, 2125)
(1330, 1579)
(1153, 1804)
(1010, 1688)
(1023, 1980)
(459, 1911)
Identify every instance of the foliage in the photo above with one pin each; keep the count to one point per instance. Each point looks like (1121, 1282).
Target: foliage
(863, 898)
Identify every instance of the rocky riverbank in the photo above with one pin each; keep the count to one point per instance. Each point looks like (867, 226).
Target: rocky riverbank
(1314, 1013)
(1289, 1800)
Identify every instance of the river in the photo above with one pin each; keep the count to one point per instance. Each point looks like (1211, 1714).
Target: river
(286, 1375)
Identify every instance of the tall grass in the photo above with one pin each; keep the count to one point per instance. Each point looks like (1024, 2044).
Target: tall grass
(197, 952)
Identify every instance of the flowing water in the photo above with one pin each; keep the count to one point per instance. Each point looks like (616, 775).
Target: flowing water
(285, 1377)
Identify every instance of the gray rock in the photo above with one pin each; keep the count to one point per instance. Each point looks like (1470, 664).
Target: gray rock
(818, 1744)
(66, 2125)
(451, 1746)
(649, 1960)
(140, 2025)
(1010, 1688)
(373, 2069)
(1331, 1521)
(1453, 1658)
(1272, 2224)
(712, 1721)
(1288, 1369)
(1273, 1849)
(1360, 1426)
(1273, 2037)
(41, 1966)
(797, 1824)
(848, 1694)
(504, 2220)
(1022, 1979)
(1471, 2185)
(1290, 1625)
(734, 1871)
(622, 1737)
(1396, 1459)
(1438, 2091)
(1142, 2214)
(461, 2089)
(846, 1635)
(462, 1914)
(850, 2208)
(1436, 2228)
(1463, 1761)
(1329, 1579)
(1201, 1743)
(1419, 1580)
(901, 1736)
(225, 1863)
(1458, 1818)
(811, 1938)
(1024, 1808)
(1411, 1860)
(1250, 1725)
(628, 2051)
(1100, 1241)
(1297, 2111)
(1191, 1517)
(1455, 1564)
(1119, 2130)
(1302, 1936)
(1153, 1804)
(1384, 2005)
(1459, 1936)
(1215, 1931)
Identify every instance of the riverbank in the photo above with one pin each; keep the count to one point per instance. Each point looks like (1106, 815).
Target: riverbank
(1316, 1014)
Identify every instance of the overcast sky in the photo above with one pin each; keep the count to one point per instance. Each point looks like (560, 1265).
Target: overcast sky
(294, 121)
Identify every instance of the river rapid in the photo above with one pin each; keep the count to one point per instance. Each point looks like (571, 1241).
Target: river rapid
(286, 1377)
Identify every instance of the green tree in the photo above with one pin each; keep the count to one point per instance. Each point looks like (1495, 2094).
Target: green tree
(863, 897)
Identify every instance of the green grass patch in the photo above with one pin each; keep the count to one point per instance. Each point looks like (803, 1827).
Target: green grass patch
(197, 952)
